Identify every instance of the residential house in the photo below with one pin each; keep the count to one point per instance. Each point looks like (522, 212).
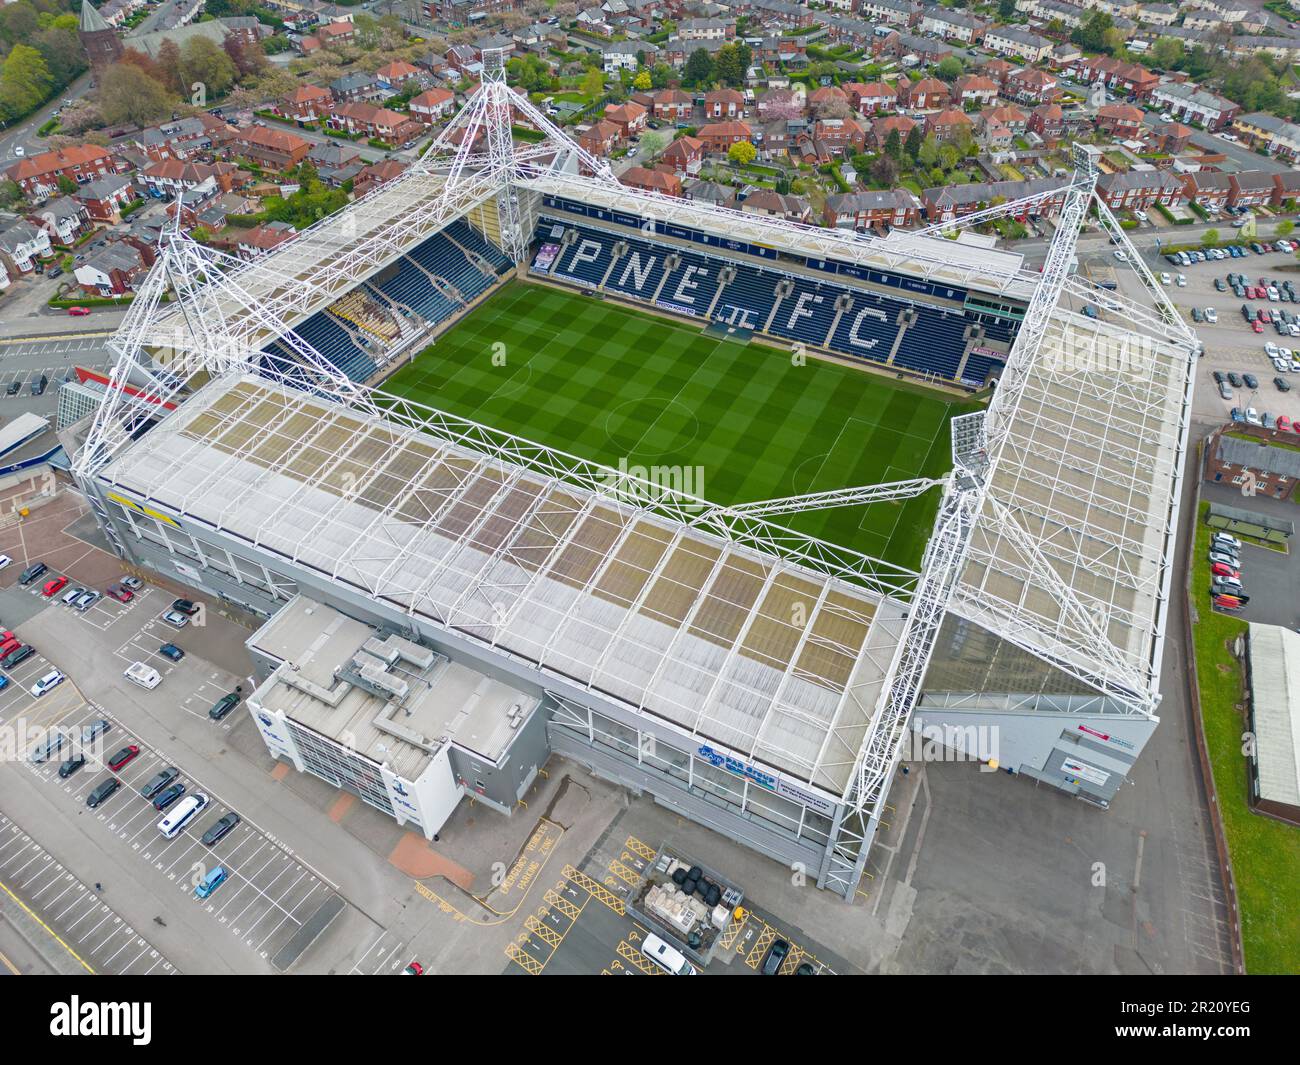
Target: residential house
(1170, 137)
(105, 197)
(185, 138)
(387, 125)
(776, 205)
(673, 105)
(432, 106)
(724, 103)
(717, 137)
(706, 29)
(662, 181)
(685, 155)
(630, 118)
(1193, 105)
(1012, 40)
(166, 179)
(394, 77)
(974, 90)
(620, 55)
(356, 86)
(1129, 79)
(861, 211)
(872, 97)
(273, 149)
(376, 174)
(827, 94)
(1048, 121)
(1031, 86)
(1120, 121)
(1008, 115)
(113, 269)
(263, 238)
(949, 127)
(925, 95)
(839, 134)
(891, 12)
(1042, 196)
(307, 103)
(1286, 190)
(64, 218)
(1139, 189)
(38, 175)
(881, 128)
(1271, 471)
(1275, 135)
(1251, 188)
(21, 244)
(953, 25)
(1209, 188)
(600, 138)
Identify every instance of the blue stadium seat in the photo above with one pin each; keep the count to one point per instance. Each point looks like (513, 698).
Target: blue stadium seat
(933, 343)
(336, 345)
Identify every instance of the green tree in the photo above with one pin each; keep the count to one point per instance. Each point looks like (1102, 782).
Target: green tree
(742, 152)
(593, 84)
(66, 185)
(10, 193)
(884, 171)
(1210, 236)
(894, 145)
(950, 69)
(1167, 53)
(25, 81)
(912, 146)
(1091, 34)
(661, 75)
(928, 154)
(128, 94)
(699, 68)
(1284, 228)
(1006, 10)
(643, 81)
(205, 63)
(652, 143)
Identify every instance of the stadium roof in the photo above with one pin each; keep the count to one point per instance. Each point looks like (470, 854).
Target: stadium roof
(1091, 472)
(745, 648)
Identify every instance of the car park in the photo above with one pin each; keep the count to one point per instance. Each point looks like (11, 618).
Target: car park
(123, 757)
(220, 828)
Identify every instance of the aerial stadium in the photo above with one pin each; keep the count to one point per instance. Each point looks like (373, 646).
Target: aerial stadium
(514, 461)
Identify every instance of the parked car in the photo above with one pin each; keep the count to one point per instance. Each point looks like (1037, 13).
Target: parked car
(223, 706)
(134, 583)
(95, 728)
(101, 792)
(1250, 380)
(71, 765)
(175, 619)
(78, 312)
(776, 955)
(122, 595)
(171, 651)
(158, 781)
(47, 683)
(168, 796)
(17, 655)
(184, 606)
(220, 828)
(54, 587)
(123, 757)
(33, 571)
(1282, 384)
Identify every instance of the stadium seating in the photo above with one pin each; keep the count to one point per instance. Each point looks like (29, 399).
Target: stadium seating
(335, 343)
(869, 328)
(471, 239)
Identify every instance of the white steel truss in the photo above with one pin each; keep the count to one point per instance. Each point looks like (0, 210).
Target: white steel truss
(837, 497)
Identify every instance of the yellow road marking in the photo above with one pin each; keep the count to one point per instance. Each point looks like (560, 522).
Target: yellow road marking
(635, 845)
(53, 935)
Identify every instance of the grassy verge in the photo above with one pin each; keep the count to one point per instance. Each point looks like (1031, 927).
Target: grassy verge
(1265, 853)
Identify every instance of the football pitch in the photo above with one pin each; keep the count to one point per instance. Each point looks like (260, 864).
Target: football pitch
(615, 386)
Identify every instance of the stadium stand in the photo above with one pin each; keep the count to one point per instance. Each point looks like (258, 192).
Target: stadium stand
(827, 312)
(336, 343)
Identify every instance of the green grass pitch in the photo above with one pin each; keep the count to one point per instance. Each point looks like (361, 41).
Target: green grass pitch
(609, 384)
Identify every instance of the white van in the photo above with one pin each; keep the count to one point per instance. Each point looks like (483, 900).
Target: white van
(669, 959)
(182, 814)
(144, 675)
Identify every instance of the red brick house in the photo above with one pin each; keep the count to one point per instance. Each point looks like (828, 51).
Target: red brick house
(601, 139)
(881, 128)
(275, 149)
(841, 134)
(630, 118)
(307, 103)
(1048, 121)
(872, 97)
(948, 126)
(724, 103)
(664, 181)
(1209, 188)
(1139, 189)
(717, 137)
(38, 175)
(1008, 115)
(1130, 79)
(105, 197)
(827, 94)
(1031, 86)
(1121, 121)
(432, 105)
(673, 105)
(974, 90)
(376, 174)
(371, 121)
(926, 94)
(1171, 137)
(1286, 189)
(869, 210)
(1251, 188)
(262, 238)
(685, 155)
(394, 76)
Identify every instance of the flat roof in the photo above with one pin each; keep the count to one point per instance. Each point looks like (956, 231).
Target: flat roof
(444, 701)
(1275, 707)
(748, 649)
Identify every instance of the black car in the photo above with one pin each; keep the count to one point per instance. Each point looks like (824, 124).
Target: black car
(1234, 379)
(220, 828)
(1250, 380)
(170, 650)
(102, 791)
(223, 706)
(184, 606)
(1282, 384)
(13, 388)
(159, 781)
(168, 796)
(1219, 377)
(71, 765)
(39, 384)
(17, 655)
(776, 955)
(32, 572)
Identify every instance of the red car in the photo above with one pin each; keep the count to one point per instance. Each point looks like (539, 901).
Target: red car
(78, 312)
(122, 595)
(122, 757)
(1283, 423)
(1261, 315)
(1222, 569)
(54, 586)
(1258, 326)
